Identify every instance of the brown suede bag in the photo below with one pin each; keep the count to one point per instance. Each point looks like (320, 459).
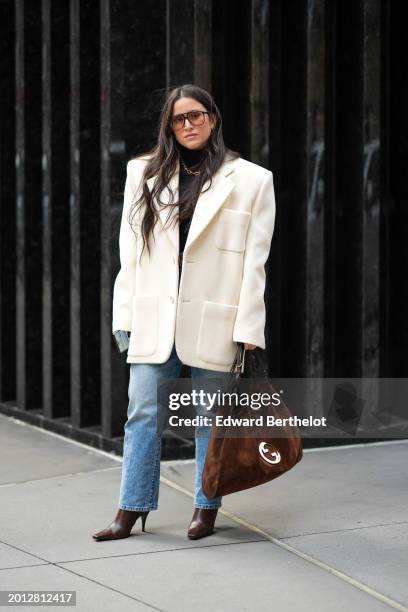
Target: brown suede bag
(236, 463)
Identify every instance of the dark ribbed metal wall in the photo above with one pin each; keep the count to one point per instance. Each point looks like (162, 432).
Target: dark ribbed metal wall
(314, 91)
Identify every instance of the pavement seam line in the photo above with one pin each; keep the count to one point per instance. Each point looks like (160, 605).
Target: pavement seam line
(70, 475)
(13, 567)
(22, 550)
(345, 577)
(56, 564)
(62, 563)
(158, 551)
(110, 588)
(359, 445)
(345, 529)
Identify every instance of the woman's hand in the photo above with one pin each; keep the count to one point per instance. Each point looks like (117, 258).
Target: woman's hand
(249, 347)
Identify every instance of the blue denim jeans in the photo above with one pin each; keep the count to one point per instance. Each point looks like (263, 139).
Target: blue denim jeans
(139, 489)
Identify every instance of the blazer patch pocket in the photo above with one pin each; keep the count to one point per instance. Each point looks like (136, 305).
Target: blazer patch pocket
(214, 342)
(232, 228)
(144, 336)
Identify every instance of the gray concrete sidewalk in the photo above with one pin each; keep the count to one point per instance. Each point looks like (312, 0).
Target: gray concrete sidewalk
(331, 534)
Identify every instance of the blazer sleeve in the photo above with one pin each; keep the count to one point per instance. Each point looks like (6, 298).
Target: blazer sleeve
(124, 285)
(249, 326)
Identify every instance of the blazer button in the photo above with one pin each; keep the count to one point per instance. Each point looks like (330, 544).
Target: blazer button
(172, 299)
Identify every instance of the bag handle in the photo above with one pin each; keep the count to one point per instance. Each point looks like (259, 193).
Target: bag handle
(239, 360)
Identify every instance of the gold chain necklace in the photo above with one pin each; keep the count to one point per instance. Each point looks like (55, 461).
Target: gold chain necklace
(188, 169)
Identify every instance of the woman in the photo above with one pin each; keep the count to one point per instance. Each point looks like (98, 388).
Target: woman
(194, 292)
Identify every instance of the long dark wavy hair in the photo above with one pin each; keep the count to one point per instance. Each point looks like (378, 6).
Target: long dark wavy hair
(163, 159)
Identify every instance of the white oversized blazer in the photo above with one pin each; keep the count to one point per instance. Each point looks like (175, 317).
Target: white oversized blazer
(220, 300)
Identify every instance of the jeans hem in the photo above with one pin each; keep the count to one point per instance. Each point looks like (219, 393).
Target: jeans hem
(207, 506)
(137, 508)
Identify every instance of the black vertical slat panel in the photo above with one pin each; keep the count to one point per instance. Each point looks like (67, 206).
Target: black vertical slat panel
(259, 83)
(180, 42)
(202, 44)
(59, 169)
(46, 211)
(357, 189)
(125, 113)
(7, 204)
(55, 205)
(89, 213)
(219, 73)
(348, 333)
(314, 222)
(75, 303)
(397, 66)
(370, 273)
(386, 200)
(33, 203)
(293, 192)
(276, 136)
(259, 109)
(231, 23)
(138, 80)
(20, 207)
(106, 298)
(330, 192)
(168, 43)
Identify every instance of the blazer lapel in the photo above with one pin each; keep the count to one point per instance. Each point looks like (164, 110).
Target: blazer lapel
(208, 203)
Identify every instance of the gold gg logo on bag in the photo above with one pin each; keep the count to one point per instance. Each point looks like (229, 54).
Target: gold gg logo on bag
(269, 453)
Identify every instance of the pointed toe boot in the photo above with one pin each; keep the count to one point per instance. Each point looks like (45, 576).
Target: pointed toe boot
(122, 525)
(202, 523)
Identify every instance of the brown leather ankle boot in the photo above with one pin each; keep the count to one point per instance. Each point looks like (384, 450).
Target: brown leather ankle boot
(122, 525)
(202, 523)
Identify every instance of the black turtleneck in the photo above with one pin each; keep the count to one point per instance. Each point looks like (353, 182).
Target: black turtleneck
(190, 158)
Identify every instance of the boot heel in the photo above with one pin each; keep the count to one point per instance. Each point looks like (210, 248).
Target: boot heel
(144, 517)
